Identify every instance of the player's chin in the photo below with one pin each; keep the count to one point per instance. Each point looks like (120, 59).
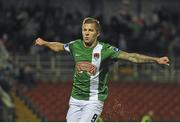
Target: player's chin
(86, 41)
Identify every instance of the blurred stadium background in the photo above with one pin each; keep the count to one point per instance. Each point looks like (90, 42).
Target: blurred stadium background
(35, 83)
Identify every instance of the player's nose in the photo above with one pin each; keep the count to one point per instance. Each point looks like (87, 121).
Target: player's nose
(86, 34)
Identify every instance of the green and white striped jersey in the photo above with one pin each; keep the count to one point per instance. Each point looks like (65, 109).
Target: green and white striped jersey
(90, 76)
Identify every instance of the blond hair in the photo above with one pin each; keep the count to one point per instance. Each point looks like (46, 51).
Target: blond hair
(92, 20)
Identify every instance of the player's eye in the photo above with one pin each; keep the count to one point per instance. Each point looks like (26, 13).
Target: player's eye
(91, 30)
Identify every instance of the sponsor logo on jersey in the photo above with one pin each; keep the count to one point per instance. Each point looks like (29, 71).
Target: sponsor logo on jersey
(66, 45)
(87, 67)
(96, 56)
(116, 49)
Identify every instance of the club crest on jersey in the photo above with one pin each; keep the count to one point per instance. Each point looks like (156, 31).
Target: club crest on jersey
(96, 56)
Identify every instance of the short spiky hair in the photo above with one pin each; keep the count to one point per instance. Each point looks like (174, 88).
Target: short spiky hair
(93, 20)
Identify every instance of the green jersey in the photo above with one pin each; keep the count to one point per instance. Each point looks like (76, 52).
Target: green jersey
(91, 68)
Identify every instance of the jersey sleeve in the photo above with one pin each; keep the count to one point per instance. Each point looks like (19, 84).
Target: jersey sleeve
(112, 51)
(68, 46)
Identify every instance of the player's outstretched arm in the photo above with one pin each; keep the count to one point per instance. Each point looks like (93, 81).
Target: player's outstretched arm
(138, 58)
(55, 46)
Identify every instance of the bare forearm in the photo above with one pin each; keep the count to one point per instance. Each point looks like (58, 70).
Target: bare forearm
(55, 46)
(137, 58)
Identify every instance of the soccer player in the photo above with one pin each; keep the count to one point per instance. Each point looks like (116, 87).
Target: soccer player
(91, 57)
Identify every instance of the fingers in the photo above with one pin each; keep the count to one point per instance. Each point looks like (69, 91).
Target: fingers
(166, 60)
(38, 41)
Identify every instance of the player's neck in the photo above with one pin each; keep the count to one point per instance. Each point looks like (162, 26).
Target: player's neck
(90, 45)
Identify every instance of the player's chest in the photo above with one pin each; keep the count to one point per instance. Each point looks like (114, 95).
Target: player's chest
(88, 55)
(83, 55)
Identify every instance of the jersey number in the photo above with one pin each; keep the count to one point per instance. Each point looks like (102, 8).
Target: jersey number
(94, 118)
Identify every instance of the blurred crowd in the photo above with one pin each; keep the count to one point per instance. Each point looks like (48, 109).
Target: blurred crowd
(12, 75)
(130, 32)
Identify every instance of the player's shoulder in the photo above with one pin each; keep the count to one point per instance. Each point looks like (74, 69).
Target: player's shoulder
(78, 40)
(109, 47)
(75, 41)
(105, 45)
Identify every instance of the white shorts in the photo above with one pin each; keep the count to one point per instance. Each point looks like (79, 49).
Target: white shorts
(84, 111)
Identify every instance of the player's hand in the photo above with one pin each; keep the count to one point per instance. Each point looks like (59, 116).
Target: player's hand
(40, 42)
(163, 60)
